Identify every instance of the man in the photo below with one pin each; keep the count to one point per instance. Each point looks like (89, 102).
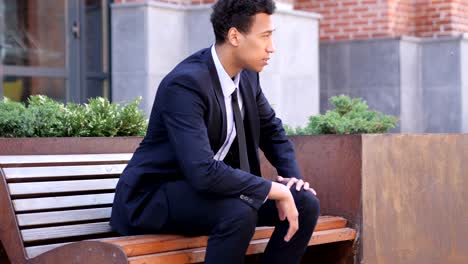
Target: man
(197, 170)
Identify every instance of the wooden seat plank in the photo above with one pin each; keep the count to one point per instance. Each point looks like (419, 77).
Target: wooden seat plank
(256, 246)
(56, 217)
(8, 161)
(51, 187)
(37, 250)
(32, 173)
(62, 202)
(46, 233)
(149, 244)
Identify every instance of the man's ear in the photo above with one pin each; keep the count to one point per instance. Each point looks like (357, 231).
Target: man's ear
(233, 36)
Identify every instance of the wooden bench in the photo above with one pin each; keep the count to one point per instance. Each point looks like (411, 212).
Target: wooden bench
(56, 208)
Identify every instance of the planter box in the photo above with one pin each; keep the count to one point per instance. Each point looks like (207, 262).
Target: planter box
(405, 194)
(68, 145)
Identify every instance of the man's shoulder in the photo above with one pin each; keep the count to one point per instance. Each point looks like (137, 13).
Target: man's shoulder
(194, 67)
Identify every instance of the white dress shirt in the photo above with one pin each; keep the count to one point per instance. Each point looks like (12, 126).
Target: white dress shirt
(228, 86)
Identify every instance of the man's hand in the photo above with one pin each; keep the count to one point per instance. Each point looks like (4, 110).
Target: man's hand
(287, 210)
(299, 184)
(286, 207)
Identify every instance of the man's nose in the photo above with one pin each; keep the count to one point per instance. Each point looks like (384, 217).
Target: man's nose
(271, 48)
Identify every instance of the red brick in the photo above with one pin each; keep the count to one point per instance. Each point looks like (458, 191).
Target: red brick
(392, 17)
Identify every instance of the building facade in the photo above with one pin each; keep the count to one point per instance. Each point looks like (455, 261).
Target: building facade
(405, 57)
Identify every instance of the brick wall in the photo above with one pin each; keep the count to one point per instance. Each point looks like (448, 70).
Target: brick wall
(188, 2)
(441, 18)
(401, 17)
(362, 19)
(349, 19)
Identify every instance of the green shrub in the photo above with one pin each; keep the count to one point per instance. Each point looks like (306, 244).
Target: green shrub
(76, 123)
(15, 120)
(47, 116)
(350, 116)
(132, 120)
(102, 117)
(44, 117)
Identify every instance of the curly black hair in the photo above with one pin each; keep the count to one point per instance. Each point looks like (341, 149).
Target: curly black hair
(238, 14)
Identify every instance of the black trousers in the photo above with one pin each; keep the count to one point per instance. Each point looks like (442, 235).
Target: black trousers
(230, 223)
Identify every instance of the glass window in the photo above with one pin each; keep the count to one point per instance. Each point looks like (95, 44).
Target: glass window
(96, 42)
(20, 88)
(94, 36)
(95, 88)
(32, 33)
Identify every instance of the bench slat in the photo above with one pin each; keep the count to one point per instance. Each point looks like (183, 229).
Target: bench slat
(37, 250)
(51, 187)
(256, 246)
(8, 161)
(46, 233)
(62, 202)
(31, 173)
(25, 220)
(150, 244)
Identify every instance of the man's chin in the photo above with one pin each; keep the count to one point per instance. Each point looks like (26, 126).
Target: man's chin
(256, 69)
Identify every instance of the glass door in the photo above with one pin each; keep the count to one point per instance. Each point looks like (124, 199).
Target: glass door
(33, 48)
(55, 48)
(94, 49)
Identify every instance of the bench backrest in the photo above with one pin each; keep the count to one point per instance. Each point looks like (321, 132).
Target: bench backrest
(52, 200)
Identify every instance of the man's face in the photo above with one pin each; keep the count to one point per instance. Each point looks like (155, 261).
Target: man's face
(256, 46)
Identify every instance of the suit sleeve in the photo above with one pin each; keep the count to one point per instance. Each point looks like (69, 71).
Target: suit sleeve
(182, 107)
(278, 149)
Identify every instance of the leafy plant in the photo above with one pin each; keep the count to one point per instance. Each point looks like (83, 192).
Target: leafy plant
(102, 117)
(47, 116)
(350, 116)
(76, 123)
(15, 120)
(44, 117)
(132, 120)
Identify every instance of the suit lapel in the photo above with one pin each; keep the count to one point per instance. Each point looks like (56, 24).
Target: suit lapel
(219, 121)
(248, 98)
(251, 122)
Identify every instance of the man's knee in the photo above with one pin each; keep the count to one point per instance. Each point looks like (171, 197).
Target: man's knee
(307, 204)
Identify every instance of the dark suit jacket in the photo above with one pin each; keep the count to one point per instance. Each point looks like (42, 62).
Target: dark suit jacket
(187, 127)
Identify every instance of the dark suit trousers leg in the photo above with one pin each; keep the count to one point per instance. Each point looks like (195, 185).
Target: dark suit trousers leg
(279, 251)
(229, 222)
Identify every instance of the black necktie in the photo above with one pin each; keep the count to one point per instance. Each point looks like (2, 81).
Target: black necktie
(243, 158)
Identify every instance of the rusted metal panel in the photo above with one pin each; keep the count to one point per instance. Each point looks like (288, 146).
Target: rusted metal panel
(332, 165)
(68, 145)
(415, 199)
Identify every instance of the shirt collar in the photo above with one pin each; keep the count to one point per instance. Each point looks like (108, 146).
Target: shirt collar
(227, 84)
